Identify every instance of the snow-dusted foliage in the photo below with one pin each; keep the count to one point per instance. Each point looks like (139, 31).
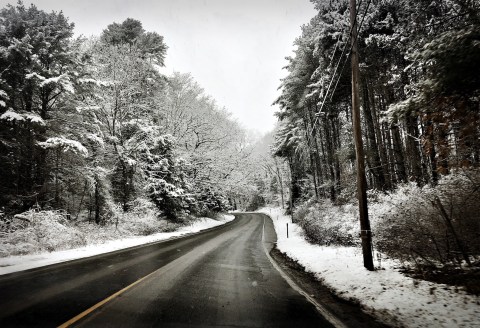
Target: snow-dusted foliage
(211, 142)
(418, 91)
(431, 226)
(14, 117)
(327, 224)
(37, 231)
(166, 184)
(60, 83)
(134, 133)
(65, 144)
(418, 225)
(39, 67)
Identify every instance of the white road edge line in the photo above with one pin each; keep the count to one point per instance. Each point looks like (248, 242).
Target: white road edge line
(320, 308)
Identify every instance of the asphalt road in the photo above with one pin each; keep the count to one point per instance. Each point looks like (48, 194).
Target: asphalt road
(220, 277)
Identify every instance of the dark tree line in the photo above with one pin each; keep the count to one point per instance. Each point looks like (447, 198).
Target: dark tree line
(420, 86)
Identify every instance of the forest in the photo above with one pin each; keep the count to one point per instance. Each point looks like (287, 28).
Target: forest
(92, 132)
(90, 123)
(130, 195)
(419, 94)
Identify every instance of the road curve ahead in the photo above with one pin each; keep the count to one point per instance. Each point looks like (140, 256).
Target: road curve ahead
(222, 277)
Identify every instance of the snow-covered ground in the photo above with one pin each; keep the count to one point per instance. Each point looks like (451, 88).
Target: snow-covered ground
(25, 262)
(387, 294)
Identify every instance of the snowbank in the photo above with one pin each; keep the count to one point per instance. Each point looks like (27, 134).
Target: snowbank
(25, 262)
(387, 294)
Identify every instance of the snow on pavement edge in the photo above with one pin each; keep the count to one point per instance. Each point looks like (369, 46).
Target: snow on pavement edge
(387, 294)
(24, 262)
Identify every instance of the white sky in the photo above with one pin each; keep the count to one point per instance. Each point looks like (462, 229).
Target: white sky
(235, 49)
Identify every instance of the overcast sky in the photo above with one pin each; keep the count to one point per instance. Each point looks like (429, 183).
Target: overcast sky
(235, 49)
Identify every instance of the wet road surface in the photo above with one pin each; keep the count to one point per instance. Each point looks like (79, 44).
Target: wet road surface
(218, 278)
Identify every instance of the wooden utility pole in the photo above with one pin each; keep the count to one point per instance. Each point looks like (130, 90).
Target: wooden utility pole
(365, 231)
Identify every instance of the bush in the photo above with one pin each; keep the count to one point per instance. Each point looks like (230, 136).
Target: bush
(422, 226)
(37, 231)
(256, 202)
(431, 225)
(210, 203)
(326, 224)
(143, 219)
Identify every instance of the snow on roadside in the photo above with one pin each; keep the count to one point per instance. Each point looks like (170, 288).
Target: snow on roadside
(387, 294)
(25, 262)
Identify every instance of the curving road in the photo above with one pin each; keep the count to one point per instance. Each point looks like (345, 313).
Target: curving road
(219, 277)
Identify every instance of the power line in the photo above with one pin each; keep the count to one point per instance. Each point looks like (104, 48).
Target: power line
(346, 59)
(343, 67)
(333, 76)
(339, 60)
(334, 52)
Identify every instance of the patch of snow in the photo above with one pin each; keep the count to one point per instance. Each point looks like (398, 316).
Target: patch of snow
(10, 115)
(67, 85)
(66, 144)
(387, 294)
(95, 138)
(34, 119)
(86, 108)
(131, 161)
(25, 262)
(32, 75)
(63, 80)
(96, 82)
(51, 80)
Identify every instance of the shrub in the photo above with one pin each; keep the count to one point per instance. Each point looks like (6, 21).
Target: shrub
(431, 225)
(422, 226)
(143, 219)
(37, 231)
(326, 224)
(256, 202)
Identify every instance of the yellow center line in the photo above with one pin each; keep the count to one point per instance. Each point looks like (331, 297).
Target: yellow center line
(108, 299)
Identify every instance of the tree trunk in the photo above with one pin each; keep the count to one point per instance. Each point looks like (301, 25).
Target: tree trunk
(280, 181)
(450, 226)
(330, 164)
(97, 205)
(337, 145)
(295, 189)
(398, 153)
(316, 153)
(413, 149)
(374, 156)
(323, 161)
(308, 137)
(430, 150)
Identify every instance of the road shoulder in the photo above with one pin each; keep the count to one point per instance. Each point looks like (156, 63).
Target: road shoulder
(348, 312)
